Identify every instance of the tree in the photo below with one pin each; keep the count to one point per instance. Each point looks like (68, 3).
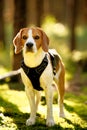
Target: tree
(85, 11)
(39, 9)
(72, 15)
(34, 12)
(2, 37)
(19, 22)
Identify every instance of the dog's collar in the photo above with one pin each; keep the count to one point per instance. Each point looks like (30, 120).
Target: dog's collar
(35, 72)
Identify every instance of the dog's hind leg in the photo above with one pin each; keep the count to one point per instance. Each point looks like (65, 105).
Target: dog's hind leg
(61, 90)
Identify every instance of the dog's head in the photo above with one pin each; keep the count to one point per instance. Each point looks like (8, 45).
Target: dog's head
(31, 40)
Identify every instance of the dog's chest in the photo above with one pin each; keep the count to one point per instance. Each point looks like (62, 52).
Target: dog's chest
(38, 77)
(46, 78)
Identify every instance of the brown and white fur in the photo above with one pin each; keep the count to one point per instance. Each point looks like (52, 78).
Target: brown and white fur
(34, 43)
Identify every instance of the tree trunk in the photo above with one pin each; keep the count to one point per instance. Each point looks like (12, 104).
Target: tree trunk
(39, 7)
(31, 12)
(46, 7)
(71, 15)
(2, 37)
(85, 11)
(34, 12)
(19, 22)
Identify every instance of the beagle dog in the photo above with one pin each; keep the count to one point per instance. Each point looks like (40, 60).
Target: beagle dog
(37, 71)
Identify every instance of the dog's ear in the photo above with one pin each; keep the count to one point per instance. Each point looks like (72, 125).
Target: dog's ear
(45, 40)
(17, 42)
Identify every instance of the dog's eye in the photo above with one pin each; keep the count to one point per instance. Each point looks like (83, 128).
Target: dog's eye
(36, 37)
(24, 37)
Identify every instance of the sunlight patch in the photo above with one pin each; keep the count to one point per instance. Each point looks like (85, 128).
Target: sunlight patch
(51, 26)
(6, 123)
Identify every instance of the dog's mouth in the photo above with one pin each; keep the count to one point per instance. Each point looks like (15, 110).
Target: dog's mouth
(27, 49)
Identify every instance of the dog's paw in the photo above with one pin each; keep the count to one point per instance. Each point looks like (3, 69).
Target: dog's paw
(30, 121)
(50, 122)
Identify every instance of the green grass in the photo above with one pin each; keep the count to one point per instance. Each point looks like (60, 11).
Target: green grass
(14, 110)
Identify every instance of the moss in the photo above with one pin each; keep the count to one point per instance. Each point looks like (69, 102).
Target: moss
(13, 113)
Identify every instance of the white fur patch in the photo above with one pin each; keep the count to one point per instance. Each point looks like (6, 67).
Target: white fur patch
(31, 39)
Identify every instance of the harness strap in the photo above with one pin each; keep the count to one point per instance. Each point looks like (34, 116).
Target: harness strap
(54, 61)
(35, 72)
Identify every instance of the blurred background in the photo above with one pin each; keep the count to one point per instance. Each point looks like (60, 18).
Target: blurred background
(64, 21)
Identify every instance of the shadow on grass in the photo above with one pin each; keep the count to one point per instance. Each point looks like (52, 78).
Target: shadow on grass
(16, 86)
(19, 118)
(11, 111)
(81, 112)
(76, 126)
(19, 86)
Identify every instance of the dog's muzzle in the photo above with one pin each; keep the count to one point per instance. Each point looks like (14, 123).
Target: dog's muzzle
(29, 45)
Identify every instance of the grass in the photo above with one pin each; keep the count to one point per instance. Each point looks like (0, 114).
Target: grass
(14, 110)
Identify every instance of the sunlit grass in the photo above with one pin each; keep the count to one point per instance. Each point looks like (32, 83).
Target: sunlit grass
(14, 109)
(7, 123)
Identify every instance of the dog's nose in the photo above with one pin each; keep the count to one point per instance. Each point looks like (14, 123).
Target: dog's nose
(29, 44)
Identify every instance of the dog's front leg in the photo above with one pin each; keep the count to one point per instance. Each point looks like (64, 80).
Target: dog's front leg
(38, 98)
(49, 101)
(31, 97)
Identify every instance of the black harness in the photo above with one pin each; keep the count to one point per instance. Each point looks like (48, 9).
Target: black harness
(35, 73)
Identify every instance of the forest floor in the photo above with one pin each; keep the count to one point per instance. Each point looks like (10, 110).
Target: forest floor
(14, 109)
